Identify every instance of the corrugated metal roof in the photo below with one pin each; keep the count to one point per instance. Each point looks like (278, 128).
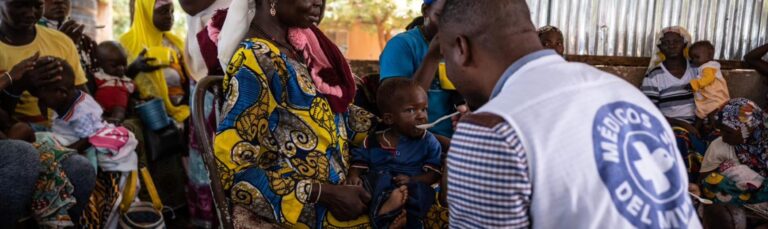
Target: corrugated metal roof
(629, 27)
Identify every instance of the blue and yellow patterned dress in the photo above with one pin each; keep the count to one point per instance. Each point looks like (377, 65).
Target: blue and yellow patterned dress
(278, 136)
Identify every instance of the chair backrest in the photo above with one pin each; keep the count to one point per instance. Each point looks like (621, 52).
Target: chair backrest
(210, 83)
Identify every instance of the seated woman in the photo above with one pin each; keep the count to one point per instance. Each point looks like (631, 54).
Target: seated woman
(283, 146)
(39, 176)
(734, 167)
(666, 84)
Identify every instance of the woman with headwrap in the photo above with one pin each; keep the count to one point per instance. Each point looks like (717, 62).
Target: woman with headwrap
(149, 36)
(283, 143)
(666, 84)
(735, 164)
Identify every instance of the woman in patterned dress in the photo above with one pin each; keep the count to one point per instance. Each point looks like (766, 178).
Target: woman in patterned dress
(288, 123)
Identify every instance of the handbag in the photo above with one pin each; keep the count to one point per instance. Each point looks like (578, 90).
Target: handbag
(141, 214)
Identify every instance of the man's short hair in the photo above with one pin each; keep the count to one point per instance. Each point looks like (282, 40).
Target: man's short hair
(482, 16)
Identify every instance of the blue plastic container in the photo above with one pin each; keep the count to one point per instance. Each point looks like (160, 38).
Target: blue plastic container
(153, 114)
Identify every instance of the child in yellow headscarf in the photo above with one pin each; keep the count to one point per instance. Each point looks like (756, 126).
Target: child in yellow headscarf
(156, 54)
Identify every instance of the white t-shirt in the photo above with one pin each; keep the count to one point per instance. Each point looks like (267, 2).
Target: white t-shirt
(717, 153)
(81, 121)
(670, 94)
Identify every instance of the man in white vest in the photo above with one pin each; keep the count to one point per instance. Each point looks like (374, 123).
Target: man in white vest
(551, 144)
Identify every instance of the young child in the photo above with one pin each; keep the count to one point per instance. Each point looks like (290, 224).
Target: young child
(552, 38)
(740, 154)
(78, 125)
(402, 156)
(709, 87)
(114, 88)
(77, 115)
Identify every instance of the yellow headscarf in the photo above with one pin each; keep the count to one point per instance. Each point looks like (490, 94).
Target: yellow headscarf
(142, 35)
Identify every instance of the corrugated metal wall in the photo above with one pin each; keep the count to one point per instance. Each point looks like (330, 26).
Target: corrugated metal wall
(629, 27)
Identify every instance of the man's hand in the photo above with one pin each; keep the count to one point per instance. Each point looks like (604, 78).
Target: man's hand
(346, 202)
(463, 111)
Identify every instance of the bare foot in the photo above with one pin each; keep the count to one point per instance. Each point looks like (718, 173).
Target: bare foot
(396, 200)
(400, 221)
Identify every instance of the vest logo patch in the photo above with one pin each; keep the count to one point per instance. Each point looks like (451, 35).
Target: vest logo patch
(637, 162)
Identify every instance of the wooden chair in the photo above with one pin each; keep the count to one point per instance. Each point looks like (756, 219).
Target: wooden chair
(222, 206)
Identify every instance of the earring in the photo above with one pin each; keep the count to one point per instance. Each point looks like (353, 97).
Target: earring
(272, 10)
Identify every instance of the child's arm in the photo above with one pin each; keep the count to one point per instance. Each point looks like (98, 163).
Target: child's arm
(708, 76)
(354, 176)
(360, 159)
(431, 167)
(430, 177)
(81, 145)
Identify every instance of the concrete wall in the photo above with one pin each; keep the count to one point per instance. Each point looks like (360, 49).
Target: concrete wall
(745, 83)
(741, 82)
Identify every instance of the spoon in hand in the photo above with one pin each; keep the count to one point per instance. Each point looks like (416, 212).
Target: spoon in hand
(701, 200)
(433, 124)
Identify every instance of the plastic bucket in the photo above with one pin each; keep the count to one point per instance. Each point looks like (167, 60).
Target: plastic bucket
(153, 114)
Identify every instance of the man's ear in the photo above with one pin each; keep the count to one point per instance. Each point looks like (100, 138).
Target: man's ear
(464, 55)
(386, 118)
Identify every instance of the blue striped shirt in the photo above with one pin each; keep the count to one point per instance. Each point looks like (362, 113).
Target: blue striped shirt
(488, 182)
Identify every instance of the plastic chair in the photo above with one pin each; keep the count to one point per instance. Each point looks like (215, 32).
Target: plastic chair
(211, 83)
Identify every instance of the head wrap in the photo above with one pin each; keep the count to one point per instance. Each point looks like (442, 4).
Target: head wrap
(657, 56)
(428, 2)
(746, 117)
(239, 17)
(143, 35)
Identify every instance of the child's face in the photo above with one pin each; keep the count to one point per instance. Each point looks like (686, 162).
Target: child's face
(114, 63)
(553, 40)
(699, 56)
(53, 96)
(410, 112)
(730, 135)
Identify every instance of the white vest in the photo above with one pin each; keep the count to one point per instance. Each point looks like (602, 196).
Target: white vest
(601, 155)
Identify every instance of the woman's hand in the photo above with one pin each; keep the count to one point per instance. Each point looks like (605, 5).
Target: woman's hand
(73, 30)
(346, 202)
(434, 49)
(47, 70)
(19, 70)
(141, 64)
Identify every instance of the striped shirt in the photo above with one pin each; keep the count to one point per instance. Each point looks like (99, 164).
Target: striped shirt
(488, 178)
(670, 93)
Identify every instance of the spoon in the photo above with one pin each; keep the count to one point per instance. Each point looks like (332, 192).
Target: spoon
(433, 124)
(701, 200)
